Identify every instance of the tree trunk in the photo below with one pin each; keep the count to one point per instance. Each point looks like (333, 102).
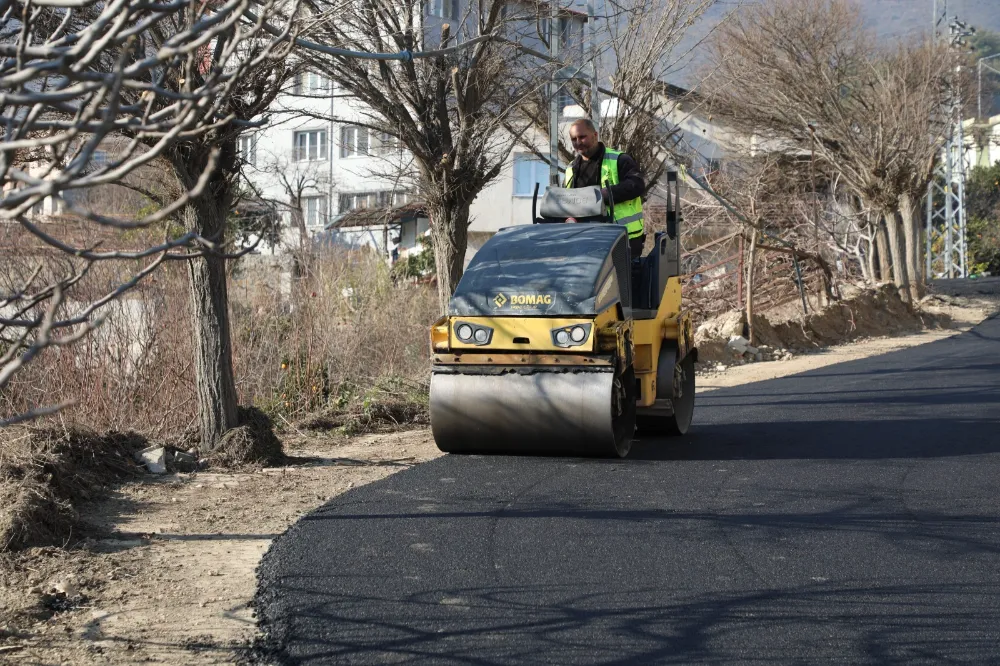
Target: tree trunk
(870, 260)
(213, 356)
(897, 251)
(299, 220)
(882, 247)
(751, 265)
(451, 239)
(914, 250)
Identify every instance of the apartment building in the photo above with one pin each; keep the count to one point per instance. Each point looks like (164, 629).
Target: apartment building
(356, 185)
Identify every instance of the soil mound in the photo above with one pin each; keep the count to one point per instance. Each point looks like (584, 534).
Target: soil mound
(252, 443)
(870, 313)
(44, 474)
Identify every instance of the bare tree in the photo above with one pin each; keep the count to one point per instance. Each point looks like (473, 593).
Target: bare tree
(296, 179)
(447, 111)
(250, 51)
(76, 75)
(804, 75)
(639, 45)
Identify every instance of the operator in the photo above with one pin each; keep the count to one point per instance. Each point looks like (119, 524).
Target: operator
(616, 173)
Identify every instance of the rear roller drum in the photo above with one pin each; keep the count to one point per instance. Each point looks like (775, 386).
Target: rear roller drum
(682, 402)
(680, 421)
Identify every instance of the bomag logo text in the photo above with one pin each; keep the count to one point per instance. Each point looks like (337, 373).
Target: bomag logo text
(518, 301)
(531, 299)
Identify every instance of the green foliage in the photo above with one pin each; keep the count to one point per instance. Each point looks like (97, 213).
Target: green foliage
(251, 219)
(985, 43)
(982, 192)
(417, 265)
(982, 201)
(984, 244)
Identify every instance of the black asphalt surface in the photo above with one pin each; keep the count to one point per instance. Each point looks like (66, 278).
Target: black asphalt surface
(845, 515)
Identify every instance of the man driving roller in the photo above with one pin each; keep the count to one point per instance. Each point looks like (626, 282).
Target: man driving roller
(616, 173)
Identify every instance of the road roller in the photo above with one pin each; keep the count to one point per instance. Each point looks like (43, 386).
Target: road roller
(556, 341)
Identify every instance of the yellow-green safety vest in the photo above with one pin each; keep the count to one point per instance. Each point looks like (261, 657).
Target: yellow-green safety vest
(627, 213)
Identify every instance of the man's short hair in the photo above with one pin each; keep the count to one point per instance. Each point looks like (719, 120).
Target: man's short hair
(586, 122)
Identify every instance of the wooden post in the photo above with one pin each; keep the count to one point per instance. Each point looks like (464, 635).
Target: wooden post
(751, 262)
(739, 274)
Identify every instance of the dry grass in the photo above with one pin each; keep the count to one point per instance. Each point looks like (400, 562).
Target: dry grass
(343, 332)
(333, 335)
(383, 406)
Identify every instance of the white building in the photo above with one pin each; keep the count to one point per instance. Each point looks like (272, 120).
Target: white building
(340, 168)
(982, 142)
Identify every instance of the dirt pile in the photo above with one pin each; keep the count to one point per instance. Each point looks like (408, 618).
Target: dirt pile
(45, 473)
(870, 313)
(252, 443)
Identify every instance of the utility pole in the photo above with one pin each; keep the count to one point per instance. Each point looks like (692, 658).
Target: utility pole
(554, 36)
(948, 182)
(595, 95)
(979, 89)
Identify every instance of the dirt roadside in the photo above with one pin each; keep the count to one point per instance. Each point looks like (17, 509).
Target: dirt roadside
(169, 570)
(965, 311)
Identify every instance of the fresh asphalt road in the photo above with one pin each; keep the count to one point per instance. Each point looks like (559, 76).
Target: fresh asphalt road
(845, 515)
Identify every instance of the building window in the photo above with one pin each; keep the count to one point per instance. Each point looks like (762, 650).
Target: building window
(529, 170)
(314, 211)
(248, 149)
(570, 34)
(353, 141)
(99, 158)
(310, 83)
(446, 9)
(361, 200)
(310, 145)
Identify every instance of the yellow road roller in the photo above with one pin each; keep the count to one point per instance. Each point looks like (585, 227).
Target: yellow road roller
(556, 341)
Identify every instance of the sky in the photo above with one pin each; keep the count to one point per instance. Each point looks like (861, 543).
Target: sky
(891, 19)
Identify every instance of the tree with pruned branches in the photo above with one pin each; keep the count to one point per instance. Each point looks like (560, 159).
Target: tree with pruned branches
(639, 44)
(807, 75)
(164, 83)
(448, 111)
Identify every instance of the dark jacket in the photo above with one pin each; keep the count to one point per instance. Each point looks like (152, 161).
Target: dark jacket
(630, 181)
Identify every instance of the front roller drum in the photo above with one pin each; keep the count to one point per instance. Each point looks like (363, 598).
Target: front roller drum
(568, 412)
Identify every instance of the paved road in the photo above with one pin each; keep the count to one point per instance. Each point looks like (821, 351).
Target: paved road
(845, 515)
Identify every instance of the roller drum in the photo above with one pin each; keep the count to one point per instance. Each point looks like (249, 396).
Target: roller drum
(529, 412)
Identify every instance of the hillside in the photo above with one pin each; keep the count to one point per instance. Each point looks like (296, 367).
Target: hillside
(896, 18)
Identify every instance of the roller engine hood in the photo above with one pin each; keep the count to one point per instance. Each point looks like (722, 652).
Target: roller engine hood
(545, 270)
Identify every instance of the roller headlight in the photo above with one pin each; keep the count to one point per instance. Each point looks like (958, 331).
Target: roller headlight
(571, 336)
(473, 334)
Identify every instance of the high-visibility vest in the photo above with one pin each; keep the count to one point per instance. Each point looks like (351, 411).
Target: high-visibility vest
(627, 213)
